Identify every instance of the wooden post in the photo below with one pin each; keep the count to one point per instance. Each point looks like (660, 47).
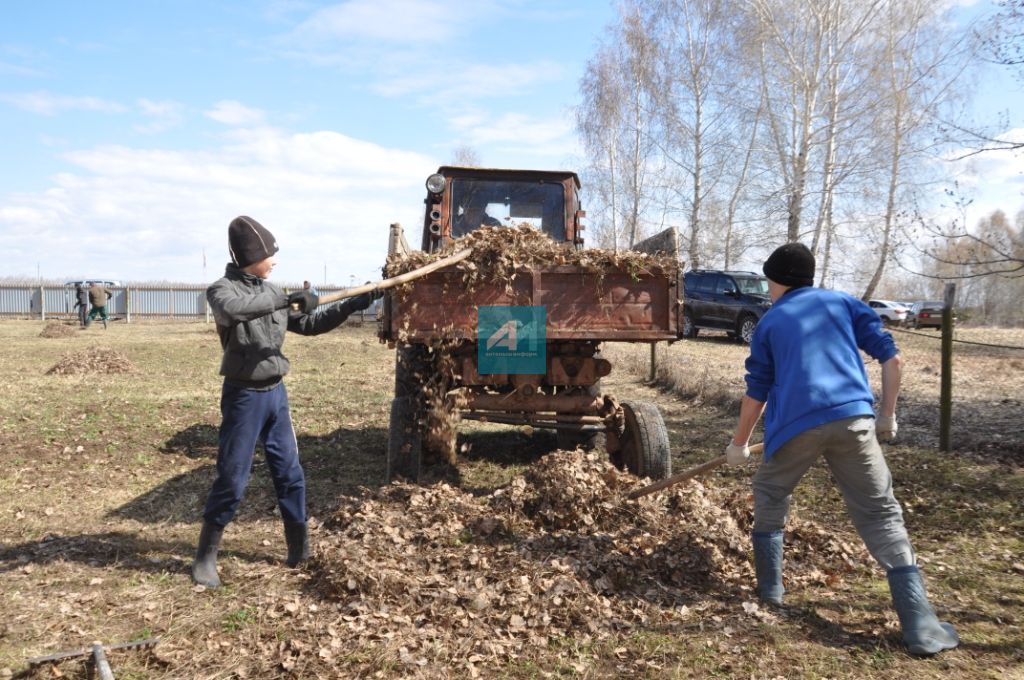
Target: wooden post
(654, 362)
(946, 388)
(42, 304)
(127, 305)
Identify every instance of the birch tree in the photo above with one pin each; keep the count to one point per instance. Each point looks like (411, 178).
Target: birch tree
(615, 122)
(920, 67)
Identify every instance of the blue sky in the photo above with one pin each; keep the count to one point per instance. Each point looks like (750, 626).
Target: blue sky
(135, 131)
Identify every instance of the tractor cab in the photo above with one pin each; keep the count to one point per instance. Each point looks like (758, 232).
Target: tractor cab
(462, 200)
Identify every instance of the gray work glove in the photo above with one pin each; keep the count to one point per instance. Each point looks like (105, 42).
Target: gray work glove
(886, 428)
(737, 454)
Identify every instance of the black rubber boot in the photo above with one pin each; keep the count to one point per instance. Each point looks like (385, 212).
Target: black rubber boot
(204, 569)
(297, 537)
(923, 633)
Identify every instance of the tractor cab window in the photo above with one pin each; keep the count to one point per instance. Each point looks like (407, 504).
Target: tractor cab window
(494, 203)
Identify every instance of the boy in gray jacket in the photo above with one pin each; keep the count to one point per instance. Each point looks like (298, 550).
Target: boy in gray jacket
(252, 316)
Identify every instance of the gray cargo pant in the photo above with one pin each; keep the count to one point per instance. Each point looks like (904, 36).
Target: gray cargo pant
(855, 458)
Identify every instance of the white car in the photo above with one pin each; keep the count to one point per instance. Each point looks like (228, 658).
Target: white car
(891, 312)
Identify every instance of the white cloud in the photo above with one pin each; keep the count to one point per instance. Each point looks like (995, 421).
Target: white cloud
(9, 69)
(161, 116)
(391, 21)
(474, 82)
(147, 214)
(234, 113)
(49, 104)
(518, 136)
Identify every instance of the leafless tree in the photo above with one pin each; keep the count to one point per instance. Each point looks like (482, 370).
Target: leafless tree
(615, 120)
(921, 66)
(465, 156)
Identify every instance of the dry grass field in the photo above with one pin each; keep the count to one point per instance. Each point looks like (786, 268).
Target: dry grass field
(105, 474)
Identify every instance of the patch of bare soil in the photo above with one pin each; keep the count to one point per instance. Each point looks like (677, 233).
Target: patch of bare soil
(444, 579)
(93, 360)
(56, 329)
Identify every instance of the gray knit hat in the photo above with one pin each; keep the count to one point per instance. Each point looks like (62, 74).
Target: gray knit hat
(249, 241)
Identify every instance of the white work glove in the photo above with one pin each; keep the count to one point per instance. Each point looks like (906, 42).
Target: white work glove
(886, 428)
(737, 454)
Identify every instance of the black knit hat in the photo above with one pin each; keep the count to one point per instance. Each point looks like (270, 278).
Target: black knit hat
(249, 241)
(790, 265)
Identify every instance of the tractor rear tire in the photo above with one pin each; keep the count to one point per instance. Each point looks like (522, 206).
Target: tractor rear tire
(645, 449)
(405, 431)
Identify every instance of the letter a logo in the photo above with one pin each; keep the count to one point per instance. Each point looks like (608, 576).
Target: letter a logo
(505, 336)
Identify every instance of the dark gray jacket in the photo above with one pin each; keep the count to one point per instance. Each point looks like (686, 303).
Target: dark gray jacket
(252, 316)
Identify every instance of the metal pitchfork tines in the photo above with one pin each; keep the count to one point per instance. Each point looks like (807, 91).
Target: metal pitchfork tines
(98, 651)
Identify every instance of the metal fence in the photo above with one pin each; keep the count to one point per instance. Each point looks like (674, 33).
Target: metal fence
(128, 302)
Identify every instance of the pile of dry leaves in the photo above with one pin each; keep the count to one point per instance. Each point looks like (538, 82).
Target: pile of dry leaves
(498, 251)
(92, 360)
(438, 577)
(56, 329)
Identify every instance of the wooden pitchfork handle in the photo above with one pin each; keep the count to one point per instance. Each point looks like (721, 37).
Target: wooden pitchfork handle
(394, 281)
(687, 474)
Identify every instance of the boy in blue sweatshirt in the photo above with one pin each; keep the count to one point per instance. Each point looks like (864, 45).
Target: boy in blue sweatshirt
(806, 375)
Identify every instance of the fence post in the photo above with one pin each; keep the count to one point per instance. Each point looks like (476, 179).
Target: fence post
(42, 304)
(946, 385)
(654, 362)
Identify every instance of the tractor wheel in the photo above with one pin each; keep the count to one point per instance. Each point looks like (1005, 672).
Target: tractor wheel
(405, 432)
(689, 329)
(745, 328)
(405, 443)
(645, 451)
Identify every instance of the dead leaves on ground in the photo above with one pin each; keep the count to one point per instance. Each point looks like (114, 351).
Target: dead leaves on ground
(92, 360)
(435, 577)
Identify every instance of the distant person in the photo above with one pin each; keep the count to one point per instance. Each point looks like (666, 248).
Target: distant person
(252, 316)
(98, 296)
(806, 374)
(82, 305)
(306, 285)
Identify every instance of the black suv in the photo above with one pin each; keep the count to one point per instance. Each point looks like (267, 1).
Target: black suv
(725, 301)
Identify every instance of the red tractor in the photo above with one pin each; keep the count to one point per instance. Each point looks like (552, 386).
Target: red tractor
(438, 324)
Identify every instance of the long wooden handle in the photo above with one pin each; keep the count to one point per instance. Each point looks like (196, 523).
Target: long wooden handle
(393, 281)
(687, 474)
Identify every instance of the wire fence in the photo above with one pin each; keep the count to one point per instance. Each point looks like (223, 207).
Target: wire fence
(958, 340)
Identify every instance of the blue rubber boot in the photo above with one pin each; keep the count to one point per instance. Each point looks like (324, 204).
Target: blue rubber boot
(768, 565)
(923, 633)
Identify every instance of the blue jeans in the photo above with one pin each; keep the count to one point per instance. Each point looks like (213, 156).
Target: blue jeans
(250, 416)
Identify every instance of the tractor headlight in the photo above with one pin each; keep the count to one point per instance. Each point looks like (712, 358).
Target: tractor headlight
(436, 183)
